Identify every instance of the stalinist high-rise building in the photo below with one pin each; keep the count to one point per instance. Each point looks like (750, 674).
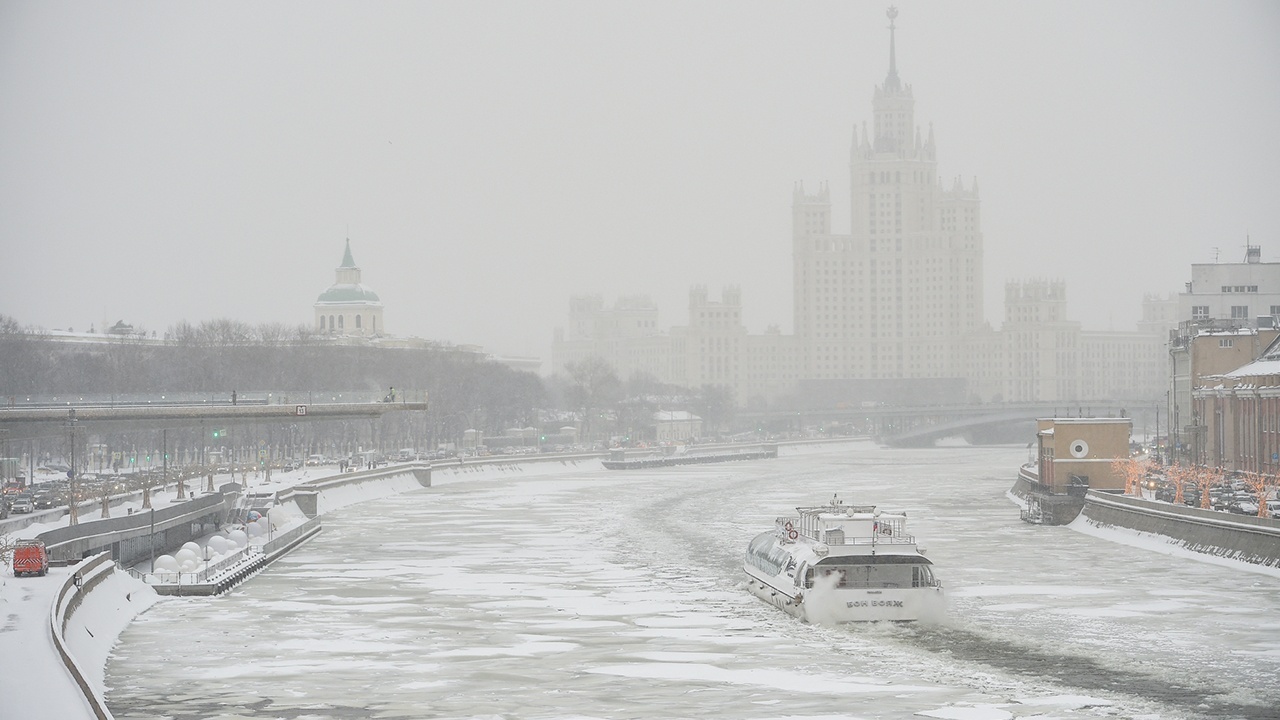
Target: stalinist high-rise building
(892, 298)
(891, 312)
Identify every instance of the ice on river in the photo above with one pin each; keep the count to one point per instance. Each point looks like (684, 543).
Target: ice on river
(586, 593)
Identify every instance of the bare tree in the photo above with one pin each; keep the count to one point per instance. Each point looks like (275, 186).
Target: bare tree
(594, 386)
(716, 405)
(6, 548)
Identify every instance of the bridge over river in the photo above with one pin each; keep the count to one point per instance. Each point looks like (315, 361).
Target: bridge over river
(923, 425)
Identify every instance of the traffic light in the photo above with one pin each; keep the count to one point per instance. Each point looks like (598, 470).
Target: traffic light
(216, 434)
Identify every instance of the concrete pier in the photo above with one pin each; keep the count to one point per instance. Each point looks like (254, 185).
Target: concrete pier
(1245, 538)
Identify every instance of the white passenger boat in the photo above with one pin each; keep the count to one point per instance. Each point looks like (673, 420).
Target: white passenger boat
(838, 563)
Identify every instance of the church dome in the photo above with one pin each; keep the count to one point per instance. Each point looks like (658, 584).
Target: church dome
(348, 293)
(349, 308)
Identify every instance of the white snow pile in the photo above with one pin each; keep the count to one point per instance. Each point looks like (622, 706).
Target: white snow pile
(193, 559)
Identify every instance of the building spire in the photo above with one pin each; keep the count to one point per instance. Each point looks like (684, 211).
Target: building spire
(892, 82)
(347, 260)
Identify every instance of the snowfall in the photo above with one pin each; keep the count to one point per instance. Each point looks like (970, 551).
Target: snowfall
(705, 647)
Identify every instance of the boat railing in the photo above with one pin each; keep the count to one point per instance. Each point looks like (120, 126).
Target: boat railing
(878, 540)
(791, 529)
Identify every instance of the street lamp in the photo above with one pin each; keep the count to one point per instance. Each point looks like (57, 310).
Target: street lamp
(73, 508)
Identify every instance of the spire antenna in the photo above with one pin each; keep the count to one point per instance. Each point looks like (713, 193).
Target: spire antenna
(892, 81)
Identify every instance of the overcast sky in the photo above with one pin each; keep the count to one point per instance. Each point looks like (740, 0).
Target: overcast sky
(168, 161)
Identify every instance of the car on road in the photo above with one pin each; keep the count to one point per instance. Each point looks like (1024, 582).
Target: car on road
(22, 503)
(46, 500)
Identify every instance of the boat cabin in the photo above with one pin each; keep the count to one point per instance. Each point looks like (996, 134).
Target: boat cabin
(837, 524)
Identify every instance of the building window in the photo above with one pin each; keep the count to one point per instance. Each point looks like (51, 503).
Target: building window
(1199, 312)
(340, 322)
(1239, 312)
(330, 323)
(1225, 342)
(357, 321)
(1275, 310)
(322, 322)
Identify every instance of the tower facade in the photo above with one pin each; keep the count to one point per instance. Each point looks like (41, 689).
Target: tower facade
(348, 307)
(894, 297)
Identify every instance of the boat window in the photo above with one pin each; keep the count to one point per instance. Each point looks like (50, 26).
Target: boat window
(764, 553)
(801, 573)
(922, 576)
(875, 576)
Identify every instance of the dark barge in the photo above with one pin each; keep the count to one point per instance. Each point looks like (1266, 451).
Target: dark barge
(619, 461)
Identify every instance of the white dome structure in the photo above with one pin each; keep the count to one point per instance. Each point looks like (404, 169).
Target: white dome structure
(348, 307)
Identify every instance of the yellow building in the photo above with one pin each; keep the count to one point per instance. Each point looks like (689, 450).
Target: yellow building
(1079, 452)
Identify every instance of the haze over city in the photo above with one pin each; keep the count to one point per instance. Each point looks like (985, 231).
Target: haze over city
(489, 160)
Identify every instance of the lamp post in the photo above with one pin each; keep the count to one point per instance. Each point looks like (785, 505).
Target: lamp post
(73, 509)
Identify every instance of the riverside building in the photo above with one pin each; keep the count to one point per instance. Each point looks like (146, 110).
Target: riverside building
(1227, 318)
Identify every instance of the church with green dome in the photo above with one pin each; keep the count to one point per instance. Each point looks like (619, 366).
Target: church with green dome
(348, 307)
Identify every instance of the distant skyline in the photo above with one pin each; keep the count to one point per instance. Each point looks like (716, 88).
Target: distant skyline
(489, 160)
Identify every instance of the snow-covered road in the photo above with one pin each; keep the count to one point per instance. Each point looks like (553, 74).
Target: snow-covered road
(34, 684)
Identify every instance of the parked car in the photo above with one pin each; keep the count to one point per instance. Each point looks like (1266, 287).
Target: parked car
(30, 558)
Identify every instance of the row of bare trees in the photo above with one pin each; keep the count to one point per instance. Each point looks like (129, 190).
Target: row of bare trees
(610, 405)
(218, 356)
(1203, 478)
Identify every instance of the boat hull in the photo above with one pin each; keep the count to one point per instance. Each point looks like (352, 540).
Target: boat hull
(831, 606)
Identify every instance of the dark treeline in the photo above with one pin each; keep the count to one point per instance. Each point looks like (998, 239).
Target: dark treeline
(221, 356)
(464, 390)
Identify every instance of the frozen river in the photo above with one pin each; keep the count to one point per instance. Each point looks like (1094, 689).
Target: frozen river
(597, 594)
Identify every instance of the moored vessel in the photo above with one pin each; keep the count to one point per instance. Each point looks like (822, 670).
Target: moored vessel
(618, 459)
(838, 563)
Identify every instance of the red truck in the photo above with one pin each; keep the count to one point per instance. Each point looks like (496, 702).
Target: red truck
(30, 558)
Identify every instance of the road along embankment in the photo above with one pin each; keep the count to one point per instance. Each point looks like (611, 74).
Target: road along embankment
(130, 538)
(1244, 538)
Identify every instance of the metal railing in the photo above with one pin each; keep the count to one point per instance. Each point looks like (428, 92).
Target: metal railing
(895, 538)
(288, 537)
(208, 574)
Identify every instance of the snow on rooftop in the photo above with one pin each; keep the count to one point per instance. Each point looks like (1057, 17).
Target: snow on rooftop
(1257, 367)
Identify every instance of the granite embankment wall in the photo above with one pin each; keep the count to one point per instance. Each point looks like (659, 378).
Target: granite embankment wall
(1239, 537)
(317, 497)
(89, 574)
